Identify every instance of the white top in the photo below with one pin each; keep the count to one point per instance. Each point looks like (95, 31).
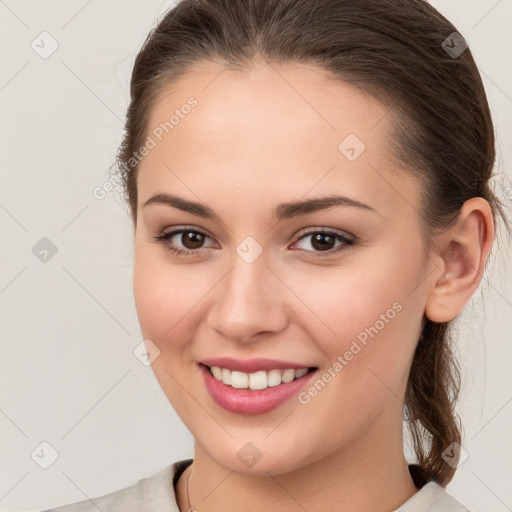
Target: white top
(157, 494)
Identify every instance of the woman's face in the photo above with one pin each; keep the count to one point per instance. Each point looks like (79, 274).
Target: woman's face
(258, 281)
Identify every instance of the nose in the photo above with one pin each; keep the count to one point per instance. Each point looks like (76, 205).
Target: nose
(249, 303)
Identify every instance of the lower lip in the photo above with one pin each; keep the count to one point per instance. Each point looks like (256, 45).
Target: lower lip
(248, 401)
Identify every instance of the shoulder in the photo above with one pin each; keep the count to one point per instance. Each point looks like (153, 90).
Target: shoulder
(151, 494)
(432, 498)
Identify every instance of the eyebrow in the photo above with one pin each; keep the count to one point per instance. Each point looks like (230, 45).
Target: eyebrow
(281, 212)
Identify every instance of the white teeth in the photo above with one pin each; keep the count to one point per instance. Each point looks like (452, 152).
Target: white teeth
(239, 379)
(300, 373)
(217, 372)
(256, 380)
(273, 378)
(288, 375)
(226, 376)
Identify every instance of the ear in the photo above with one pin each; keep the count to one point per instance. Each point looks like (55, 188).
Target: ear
(459, 257)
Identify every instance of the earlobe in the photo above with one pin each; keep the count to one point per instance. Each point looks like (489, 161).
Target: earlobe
(460, 260)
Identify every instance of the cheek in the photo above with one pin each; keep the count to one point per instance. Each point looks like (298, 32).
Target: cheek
(163, 298)
(369, 354)
(348, 300)
(163, 295)
(364, 311)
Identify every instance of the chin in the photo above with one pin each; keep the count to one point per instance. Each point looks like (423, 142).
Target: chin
(258, 458)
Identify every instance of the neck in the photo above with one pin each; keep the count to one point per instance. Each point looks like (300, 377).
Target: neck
(363, 475)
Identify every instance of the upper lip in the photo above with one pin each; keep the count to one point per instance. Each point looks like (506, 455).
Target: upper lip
(252, 365)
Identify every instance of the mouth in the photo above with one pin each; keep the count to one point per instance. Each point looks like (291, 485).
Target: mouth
(258, 380)
(255, 392)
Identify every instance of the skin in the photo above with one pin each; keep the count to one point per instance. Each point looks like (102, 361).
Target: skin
(257, 139)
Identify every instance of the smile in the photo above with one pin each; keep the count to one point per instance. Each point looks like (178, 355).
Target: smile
(257, 380)
(255, 392)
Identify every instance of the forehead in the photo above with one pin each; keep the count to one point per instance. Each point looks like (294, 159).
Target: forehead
(272, 94)
(272, 130)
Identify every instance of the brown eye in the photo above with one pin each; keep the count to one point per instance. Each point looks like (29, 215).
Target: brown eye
(189, 242)
(192, 239)
(183, 241)
(322, 241)
(325, 242)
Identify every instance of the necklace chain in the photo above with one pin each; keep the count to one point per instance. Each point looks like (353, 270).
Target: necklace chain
(190, 509)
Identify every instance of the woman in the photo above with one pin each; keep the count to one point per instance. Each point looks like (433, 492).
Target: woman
(309, 188)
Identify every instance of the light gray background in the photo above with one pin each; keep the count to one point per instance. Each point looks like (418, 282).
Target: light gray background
(68, 375)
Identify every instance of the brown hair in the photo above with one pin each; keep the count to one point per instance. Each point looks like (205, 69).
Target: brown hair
(443, 132)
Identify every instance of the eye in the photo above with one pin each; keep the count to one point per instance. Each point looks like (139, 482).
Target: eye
(324, 241)
(191, 239)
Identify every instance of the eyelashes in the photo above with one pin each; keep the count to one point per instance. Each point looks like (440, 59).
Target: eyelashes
(313, 237)
(320, 235)
(165, 238)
